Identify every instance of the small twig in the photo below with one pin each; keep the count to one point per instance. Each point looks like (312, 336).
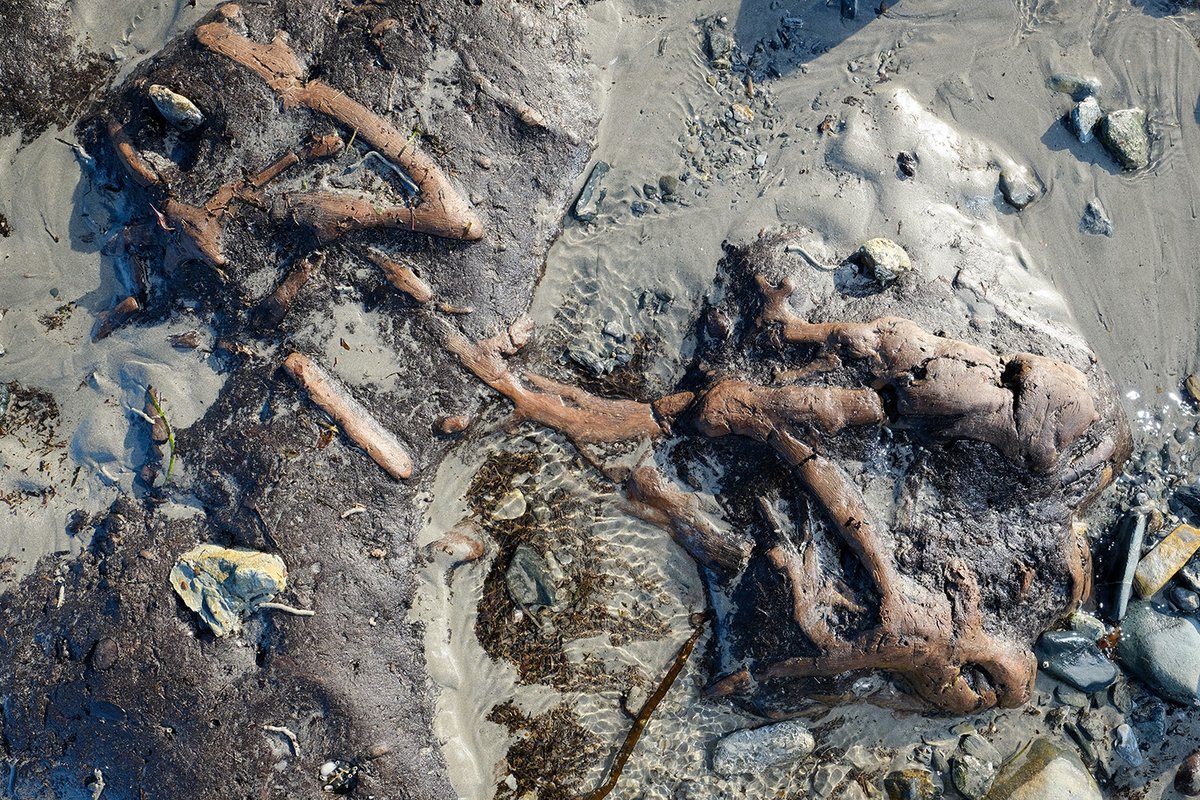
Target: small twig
(643, 716)
(291, 737)
(158, 409)
(299, 612)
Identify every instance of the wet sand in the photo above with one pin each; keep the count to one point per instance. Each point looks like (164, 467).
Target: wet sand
(962, 84)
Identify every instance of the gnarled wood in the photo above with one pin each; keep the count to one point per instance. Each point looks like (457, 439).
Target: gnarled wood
(582, 417)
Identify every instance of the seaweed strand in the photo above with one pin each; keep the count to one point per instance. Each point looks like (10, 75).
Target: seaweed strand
(643, 716)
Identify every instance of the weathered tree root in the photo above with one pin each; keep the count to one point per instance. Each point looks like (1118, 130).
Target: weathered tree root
(582, 417)
(441, 210)
(332, 215)
(204, 225)
(358, 423)
(1032, 409)
(1029, 407)
(276, 306)
(402, 277)
(680, 514)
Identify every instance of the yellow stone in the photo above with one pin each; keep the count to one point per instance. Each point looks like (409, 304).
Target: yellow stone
(1167, 558)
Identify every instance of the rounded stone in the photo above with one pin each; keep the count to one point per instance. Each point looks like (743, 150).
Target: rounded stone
(749, 751)
(882, 259)
(1162, 649)
(1187, 779)
(105, 654)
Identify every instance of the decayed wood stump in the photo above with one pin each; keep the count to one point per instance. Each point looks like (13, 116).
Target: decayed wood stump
(942, 592)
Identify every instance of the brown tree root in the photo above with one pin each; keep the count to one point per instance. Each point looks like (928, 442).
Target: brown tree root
(442, 211)
(116, 317)
(1032, 409)
(204, 225)
(681, 515)
(1029, 407)
(582, 417)
(362, 428)
(402, 277)
(276, 305)
(331, 215)
(643, 716)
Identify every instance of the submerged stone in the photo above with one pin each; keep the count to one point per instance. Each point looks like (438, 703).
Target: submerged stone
(1167, 558)
(1076, 660)
(1078, 86)
(225, 585)
(511, 506)
(1123, 133)
(752, 750)
(528, 579)
(1131, 530)
(972, 775)
(176, 109)
(1163, 650)
(1125, 743)
(911, 784)
(1044, 770)
(587, 205)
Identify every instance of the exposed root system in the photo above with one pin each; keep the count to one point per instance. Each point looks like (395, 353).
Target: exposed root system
(1033, 410)
(441, 210)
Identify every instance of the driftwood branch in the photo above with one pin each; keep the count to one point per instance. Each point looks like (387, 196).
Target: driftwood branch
(358, 423)
(680, 513)
(582, 417)
(276, 305)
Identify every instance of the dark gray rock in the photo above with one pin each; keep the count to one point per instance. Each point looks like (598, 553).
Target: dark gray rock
(1095, 219)
(907, 162)
(1185, 600)
(1078, 86)
(528, 580)
(587, 205)
(1076, 660)
(1123, 134)
(1163, 649)
(1127, 551)
(1185, 502)
(1125, 743)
